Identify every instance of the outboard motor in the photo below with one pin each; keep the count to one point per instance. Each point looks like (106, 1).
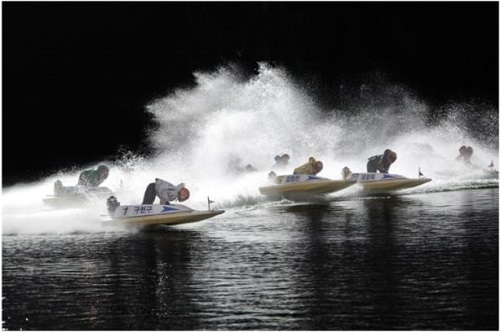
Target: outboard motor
(112, 203)
(58, 188)
(346, 173)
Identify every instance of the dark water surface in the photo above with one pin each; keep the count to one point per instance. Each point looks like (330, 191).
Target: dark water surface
(421, 262)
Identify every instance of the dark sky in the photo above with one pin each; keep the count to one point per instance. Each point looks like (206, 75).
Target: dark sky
(77, 75)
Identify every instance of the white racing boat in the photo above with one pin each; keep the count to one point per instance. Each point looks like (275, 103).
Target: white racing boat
(384, 182)
(75, 196)
(144, 215)
(489, 174)
(303, 186)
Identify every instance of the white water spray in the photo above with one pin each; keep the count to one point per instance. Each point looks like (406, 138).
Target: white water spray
(202, 131)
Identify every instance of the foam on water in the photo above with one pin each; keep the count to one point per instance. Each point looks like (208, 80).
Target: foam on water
(227, 120)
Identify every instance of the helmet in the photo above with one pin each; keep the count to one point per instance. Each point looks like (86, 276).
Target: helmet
(277, 158)
(390, 156)
(462, 149)
(285, 156)
(104, 170)
(312, 160)
(346, 172)
(469, 151)
(318, 166)
(183, 194)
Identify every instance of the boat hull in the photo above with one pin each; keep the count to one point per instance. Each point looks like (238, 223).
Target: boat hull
(151, 215)
(490, 174)
(76, 196)
(383, 183)
(303, 186)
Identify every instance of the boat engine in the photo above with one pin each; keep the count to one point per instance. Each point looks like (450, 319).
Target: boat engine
(112, 203)
(58, 188)
(346, 173)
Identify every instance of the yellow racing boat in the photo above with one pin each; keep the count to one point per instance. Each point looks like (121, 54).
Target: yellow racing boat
(385, 183)
(303, 186)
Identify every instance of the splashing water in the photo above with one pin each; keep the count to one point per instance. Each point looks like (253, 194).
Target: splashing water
(226, 121)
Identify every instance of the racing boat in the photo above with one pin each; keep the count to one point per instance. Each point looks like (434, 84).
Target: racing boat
(145, 215)
(490, 173)
(75, 196)
(384, 182)
(303, 186)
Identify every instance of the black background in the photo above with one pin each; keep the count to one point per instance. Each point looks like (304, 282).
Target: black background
(72, 70)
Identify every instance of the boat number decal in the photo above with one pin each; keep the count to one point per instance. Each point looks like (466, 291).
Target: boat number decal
(135, 210)
(292, 178)
(368, 176)
(142, 209)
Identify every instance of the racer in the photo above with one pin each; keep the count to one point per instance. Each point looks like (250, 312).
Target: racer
(93, 177)
(166, 192)
(465, 153)
(381, 163)
(311, 167)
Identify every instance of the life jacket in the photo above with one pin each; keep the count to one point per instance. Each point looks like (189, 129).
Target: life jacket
(166, 191)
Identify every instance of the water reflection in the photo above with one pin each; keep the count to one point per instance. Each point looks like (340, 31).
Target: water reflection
(166, 275)
(411, 262)
(314, 278)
